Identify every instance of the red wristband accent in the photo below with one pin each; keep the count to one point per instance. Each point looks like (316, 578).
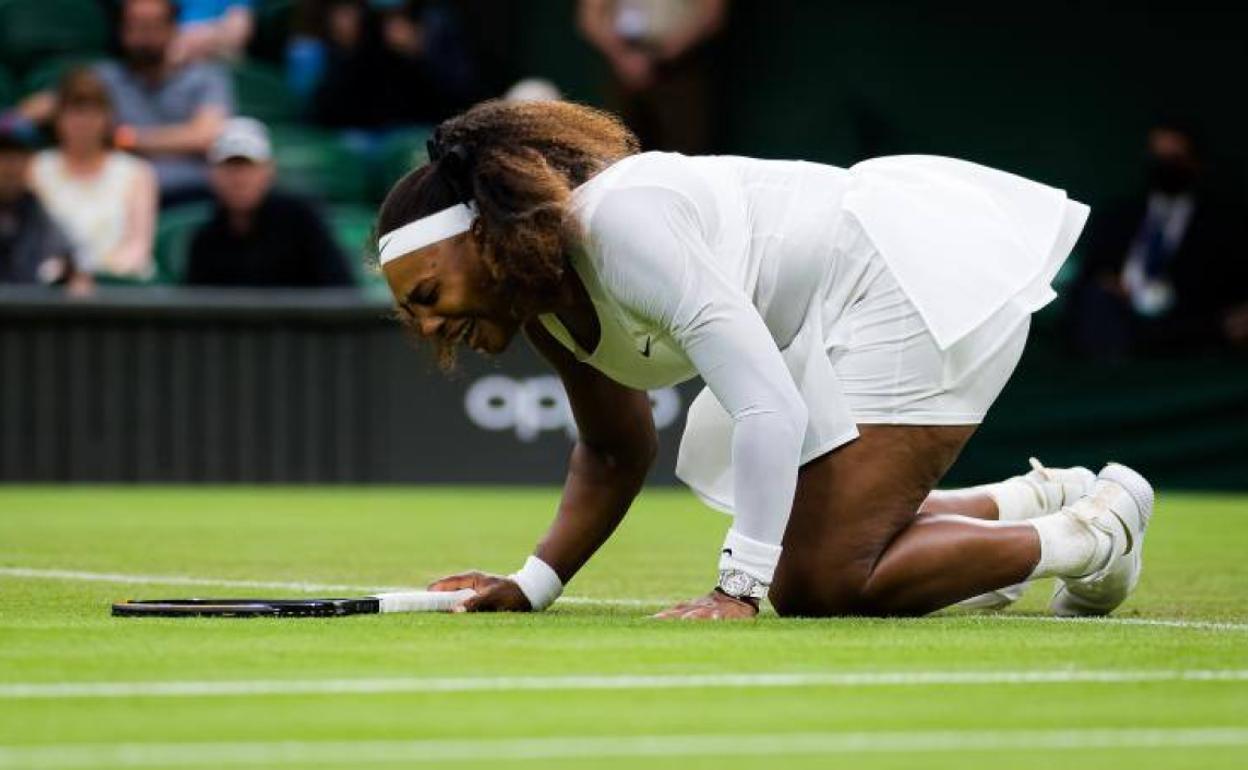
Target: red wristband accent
(125, 137)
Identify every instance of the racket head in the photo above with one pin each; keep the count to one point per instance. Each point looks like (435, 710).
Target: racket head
(245, 608)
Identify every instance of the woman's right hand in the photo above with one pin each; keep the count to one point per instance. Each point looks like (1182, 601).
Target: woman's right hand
(494, 593)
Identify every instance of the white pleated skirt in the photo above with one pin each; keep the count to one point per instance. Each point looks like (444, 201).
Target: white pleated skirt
(937, 267)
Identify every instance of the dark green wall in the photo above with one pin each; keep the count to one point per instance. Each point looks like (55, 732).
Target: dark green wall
(1061, 91)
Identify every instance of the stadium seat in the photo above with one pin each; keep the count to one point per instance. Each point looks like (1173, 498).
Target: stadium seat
(260, 92)
(33, 29)
(174, 229)
(319, 164)
(8, 89)
(400, 153)
(352, 225)
(47, 74)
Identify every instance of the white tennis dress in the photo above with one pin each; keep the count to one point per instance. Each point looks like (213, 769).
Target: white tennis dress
(810, 299)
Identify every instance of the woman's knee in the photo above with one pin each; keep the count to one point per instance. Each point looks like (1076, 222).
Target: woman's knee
(838, 598)
(850, 593)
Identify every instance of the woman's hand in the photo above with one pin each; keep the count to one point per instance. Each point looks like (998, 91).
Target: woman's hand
(716, 605)
(495, 593)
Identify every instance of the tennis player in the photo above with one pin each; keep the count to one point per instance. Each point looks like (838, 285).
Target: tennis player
(852, 326)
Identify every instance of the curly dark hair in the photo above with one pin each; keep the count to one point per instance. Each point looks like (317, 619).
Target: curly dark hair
(518, 162)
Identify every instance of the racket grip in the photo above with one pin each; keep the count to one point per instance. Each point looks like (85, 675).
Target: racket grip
(421, 601)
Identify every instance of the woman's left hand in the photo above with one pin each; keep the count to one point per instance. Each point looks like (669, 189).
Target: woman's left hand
(716, 605)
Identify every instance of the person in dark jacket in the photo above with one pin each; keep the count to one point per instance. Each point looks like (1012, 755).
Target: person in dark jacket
(257, 235)
(33, 249)
(1166, 270)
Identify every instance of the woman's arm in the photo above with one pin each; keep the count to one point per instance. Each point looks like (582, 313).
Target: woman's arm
(614, 450)
(662, 268)
(132, 256)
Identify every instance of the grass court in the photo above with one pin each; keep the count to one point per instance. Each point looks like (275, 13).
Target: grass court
(592, 682)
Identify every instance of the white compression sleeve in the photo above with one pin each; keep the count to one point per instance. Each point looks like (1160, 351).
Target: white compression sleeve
(662, 269)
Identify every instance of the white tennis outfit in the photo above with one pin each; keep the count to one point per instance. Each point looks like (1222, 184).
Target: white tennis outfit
(810, 299)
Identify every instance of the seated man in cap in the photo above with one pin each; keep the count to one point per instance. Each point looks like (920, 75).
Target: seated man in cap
(258, 236)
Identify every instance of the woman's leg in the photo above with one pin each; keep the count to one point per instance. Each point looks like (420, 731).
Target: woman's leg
(974, 502)
(855, 546)
(1039, 492)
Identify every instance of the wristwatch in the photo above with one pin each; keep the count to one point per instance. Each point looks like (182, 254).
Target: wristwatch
(741, 585)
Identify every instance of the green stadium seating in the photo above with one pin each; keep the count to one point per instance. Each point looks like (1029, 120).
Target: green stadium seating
(352, 225)
(33, 29)
(8, 89)
(48, 74)
(318, 163)
(260, 92)
(174, 229)
(400, 153)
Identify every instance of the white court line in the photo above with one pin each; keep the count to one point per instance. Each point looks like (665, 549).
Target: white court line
(357, 753)
(302, 587)
(387, 685)
(184, 580)
(1208, 625)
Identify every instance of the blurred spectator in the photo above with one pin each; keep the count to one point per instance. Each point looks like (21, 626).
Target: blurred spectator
(104, 199)
(212, 29)
(391, 63)
(533, 90)
(257, 236)
(1166, 270)
(168, 112)
(32, 248)
(661, 65)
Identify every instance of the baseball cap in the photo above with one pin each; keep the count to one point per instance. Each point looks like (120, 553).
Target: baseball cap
(245, 138)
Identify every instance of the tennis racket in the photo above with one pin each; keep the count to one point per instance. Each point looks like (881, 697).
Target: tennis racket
(398, 601)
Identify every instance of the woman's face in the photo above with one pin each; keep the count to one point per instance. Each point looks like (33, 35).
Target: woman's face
(83, 127)
(444, 292)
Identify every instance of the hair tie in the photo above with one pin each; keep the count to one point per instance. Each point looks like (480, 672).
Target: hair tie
(454, 164)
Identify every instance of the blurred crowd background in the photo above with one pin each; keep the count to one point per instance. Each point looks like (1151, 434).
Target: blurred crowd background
(163, 147)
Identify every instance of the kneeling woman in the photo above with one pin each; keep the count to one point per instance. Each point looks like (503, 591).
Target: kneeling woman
(852, 327)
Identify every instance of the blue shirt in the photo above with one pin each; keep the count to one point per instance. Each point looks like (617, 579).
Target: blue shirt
(175, 99)
(194, 11)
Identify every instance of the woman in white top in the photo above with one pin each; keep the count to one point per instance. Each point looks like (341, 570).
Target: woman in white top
(105, 199)
(852, 328)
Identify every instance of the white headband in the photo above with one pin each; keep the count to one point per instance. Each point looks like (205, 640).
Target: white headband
(447, 223)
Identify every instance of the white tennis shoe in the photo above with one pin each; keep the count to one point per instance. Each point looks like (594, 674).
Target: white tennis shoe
(1058, 487)
(1054, 489)
(1120, 504)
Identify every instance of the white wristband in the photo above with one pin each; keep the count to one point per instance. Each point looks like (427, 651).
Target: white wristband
(539, 583)
(754, 558)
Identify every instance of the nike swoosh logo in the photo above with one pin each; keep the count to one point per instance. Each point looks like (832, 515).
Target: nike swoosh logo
(645, 352)
(727, 552)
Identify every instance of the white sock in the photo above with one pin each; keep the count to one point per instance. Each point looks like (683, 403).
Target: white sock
(1068, 547)
(1016, 499)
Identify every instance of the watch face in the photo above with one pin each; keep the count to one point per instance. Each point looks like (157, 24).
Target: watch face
(736, 583)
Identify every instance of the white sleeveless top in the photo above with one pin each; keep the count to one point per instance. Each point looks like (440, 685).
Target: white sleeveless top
(92, 210)
(709, 265)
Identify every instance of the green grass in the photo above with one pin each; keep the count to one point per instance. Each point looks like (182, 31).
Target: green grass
(59, 631)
